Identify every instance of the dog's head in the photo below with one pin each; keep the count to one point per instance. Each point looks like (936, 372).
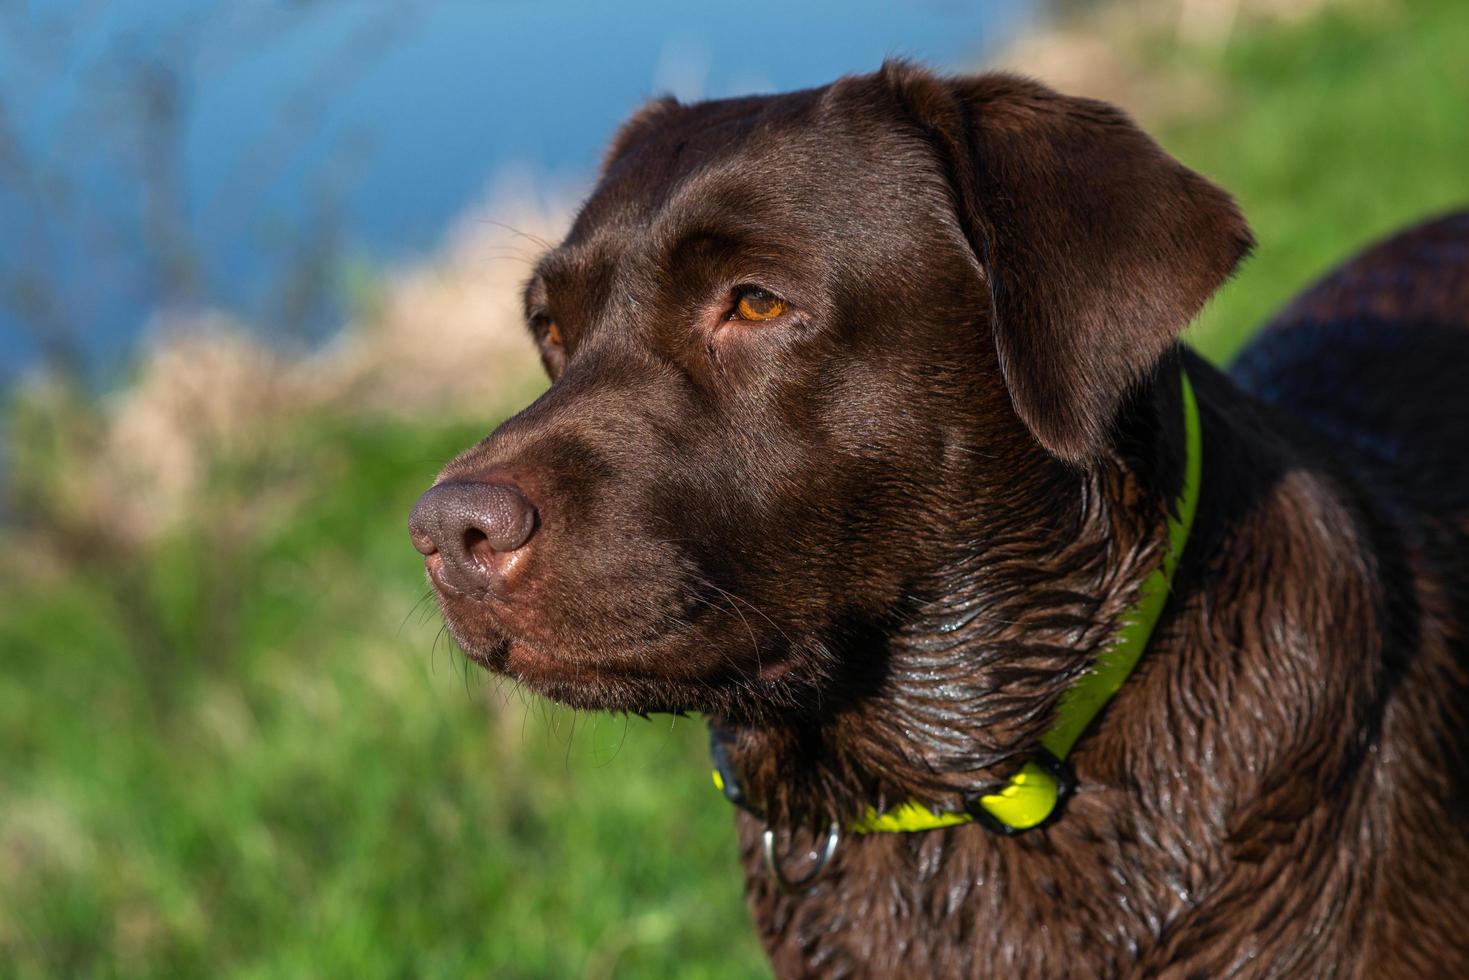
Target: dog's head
(796, 344)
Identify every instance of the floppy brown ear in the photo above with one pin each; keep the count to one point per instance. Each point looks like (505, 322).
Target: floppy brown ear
(1099, 246)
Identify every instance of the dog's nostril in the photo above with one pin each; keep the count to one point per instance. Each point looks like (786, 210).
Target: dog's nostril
(477, 546)
(503, 520)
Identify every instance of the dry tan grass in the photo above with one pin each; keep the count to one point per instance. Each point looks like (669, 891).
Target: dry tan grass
(1096, 52)
(448, 335)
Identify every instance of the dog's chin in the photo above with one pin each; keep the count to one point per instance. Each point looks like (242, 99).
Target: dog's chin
(704, 665)
(601, 683)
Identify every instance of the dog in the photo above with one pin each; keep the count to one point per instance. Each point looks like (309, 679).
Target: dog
(1032, 644)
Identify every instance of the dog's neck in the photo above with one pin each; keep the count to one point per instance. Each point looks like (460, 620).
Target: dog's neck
(972, 674)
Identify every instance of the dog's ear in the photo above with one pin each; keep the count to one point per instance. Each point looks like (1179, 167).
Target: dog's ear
(639, 126)
(1098, 246)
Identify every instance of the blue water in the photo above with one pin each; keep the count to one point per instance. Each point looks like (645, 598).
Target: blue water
(350, 131)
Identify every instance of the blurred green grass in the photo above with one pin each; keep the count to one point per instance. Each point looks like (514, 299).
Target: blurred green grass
(245, 753)
(1331, 133)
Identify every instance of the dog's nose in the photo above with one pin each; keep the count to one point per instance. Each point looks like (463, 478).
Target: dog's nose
(474, 527)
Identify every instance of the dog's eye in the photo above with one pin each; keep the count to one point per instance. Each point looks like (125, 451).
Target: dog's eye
(756, 305)
(546, 330)
(552, 346)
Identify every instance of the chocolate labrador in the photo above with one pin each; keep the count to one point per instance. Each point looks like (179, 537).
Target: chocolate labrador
(1032, 643)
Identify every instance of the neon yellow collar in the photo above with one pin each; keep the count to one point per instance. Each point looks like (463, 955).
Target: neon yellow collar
(1031, 796)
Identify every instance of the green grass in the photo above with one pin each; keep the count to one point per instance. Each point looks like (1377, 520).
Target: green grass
(1331, 134)
(245, 754)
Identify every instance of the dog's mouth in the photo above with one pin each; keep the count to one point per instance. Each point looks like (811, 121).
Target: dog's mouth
(601, 682)
(672, 663)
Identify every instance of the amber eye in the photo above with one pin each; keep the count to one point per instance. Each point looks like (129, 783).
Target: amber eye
(553, 334)
(756, 305)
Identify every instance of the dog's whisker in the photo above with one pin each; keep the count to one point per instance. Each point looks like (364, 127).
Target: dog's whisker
(539, 241)
(422, 600)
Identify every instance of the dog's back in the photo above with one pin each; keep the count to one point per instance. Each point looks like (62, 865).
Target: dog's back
(1375, 358)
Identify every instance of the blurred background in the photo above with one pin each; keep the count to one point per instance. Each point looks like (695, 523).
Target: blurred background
(258, 273)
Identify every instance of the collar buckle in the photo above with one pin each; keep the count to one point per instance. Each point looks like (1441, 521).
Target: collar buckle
(1033, 797)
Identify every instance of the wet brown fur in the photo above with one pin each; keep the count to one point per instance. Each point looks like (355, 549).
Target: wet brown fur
(878, 541)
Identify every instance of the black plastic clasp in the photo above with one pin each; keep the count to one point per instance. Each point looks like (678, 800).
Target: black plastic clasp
(734, 791)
